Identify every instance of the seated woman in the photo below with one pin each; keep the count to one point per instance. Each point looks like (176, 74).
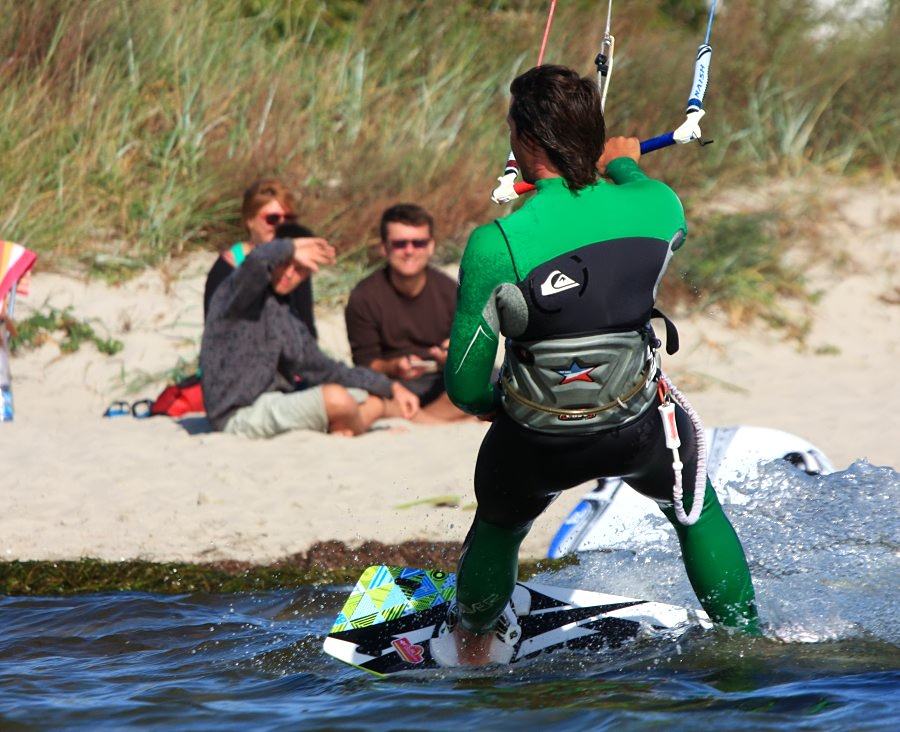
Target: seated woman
(267, 205)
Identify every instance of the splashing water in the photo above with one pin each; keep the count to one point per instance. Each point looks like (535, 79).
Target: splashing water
(824, 551)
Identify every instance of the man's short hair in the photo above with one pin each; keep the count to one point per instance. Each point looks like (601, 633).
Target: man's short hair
(555, 108)
(406, 213)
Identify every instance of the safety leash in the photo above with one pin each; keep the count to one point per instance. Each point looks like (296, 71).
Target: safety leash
(604, 59)
(667, 391)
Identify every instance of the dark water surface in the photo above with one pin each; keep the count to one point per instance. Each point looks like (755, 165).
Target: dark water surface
(824, 550)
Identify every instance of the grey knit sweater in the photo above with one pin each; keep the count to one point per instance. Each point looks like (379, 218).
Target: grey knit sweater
(252, 344)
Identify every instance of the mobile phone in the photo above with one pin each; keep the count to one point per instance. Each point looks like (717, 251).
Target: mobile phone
(430, 366)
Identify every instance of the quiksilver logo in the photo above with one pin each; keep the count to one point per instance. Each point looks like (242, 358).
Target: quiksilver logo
(557, 282)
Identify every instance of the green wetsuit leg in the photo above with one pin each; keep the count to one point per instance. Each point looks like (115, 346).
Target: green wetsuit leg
(487, 572)
(716, 565)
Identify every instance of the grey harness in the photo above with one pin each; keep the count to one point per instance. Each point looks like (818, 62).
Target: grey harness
(609, 381)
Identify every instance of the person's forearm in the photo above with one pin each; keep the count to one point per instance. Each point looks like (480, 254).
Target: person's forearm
(386, 366)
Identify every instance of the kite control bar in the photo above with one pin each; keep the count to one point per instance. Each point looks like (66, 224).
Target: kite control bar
(508, 189)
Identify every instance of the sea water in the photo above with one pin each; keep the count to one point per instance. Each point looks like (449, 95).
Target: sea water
(824, 551)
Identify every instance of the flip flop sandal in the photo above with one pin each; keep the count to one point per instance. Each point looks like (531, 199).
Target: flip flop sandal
(118, 409)
(141, 408)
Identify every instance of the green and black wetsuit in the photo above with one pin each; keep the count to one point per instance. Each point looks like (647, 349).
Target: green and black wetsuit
(570, 281)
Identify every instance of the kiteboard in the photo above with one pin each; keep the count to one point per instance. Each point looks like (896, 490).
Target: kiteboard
(610, 515)
(392, 616)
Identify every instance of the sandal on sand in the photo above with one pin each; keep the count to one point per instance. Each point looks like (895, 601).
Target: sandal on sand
(140, 409)
(118, 409)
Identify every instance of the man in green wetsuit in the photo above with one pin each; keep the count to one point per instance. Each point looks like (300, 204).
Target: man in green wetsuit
(570, 280)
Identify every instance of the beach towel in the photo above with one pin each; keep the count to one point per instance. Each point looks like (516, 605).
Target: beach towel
(15, 263)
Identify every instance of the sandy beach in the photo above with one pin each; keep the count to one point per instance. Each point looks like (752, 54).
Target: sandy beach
(75, 484)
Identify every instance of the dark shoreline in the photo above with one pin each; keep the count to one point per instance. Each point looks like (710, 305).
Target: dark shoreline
(324, 564)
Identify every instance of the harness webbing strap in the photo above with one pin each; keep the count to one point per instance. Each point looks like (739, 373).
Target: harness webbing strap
(620, 401)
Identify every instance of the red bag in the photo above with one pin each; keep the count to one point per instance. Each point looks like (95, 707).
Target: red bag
(185, 397)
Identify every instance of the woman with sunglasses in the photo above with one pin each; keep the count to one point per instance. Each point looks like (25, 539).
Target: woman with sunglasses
(267, 205)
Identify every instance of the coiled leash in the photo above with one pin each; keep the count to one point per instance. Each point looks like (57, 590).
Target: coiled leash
(667, 392)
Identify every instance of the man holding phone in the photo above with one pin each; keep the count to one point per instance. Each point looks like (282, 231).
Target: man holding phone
(399, 317)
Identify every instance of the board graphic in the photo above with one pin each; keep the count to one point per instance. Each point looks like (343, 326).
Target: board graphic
(388, 621)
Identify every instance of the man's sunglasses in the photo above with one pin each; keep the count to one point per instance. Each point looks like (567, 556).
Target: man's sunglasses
(403, 243)
(273, 219)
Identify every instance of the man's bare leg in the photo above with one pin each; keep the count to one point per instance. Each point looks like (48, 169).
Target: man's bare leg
(441, 410)
(346, 416)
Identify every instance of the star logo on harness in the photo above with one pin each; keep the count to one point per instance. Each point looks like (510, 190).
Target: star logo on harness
(576, 373)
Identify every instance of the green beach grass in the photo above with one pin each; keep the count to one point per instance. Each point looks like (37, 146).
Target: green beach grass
(131, 127)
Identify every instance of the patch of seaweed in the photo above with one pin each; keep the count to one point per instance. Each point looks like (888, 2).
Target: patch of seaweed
(326, 563)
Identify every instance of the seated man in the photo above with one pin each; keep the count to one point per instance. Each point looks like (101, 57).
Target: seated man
(399, 317)
(254, 352)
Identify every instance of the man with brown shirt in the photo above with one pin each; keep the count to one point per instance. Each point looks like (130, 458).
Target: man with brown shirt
(399, 317)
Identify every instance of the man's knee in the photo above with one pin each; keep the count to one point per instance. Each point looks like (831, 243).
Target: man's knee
(339, 403)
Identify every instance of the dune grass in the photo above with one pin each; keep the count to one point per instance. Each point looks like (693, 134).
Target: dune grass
(132, 126)
(747, 280)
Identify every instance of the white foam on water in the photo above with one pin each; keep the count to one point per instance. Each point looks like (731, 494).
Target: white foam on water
(824, 552)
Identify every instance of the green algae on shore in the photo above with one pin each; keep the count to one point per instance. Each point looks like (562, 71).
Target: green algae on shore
(325, 564)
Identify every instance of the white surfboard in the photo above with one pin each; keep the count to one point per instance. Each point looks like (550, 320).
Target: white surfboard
(612, 515)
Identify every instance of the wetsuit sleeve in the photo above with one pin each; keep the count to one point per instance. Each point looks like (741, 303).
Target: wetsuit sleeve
(625, 170)
(475, 336)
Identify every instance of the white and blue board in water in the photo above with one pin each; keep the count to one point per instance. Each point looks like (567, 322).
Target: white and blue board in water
(392, 615)
(611, 515)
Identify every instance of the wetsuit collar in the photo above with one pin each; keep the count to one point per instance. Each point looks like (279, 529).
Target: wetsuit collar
(546, 183)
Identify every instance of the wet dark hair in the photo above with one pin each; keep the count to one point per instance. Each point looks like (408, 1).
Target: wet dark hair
(406, 213)
(555, 108)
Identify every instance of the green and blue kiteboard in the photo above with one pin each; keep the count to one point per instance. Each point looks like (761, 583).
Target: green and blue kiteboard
(392, 614)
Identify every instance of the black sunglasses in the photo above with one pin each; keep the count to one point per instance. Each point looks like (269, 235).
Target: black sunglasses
(403, 243)
(273, 219)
